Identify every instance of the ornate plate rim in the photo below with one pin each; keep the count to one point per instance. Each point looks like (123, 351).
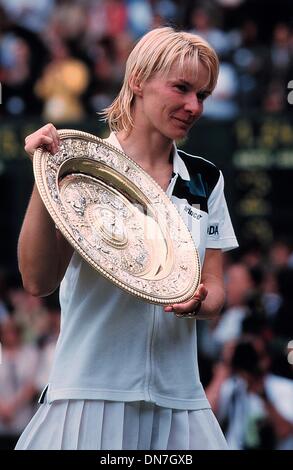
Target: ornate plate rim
(43, 191)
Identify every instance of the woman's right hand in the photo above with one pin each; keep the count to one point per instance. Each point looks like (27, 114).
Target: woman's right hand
(46, 137)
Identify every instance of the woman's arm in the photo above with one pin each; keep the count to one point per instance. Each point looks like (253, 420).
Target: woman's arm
(43, 253)
(213, 279)
(210, 295)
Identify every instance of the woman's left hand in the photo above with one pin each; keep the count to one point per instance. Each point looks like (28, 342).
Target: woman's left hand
(190, 308)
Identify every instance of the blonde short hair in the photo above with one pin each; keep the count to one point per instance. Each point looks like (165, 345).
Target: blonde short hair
(156, 52)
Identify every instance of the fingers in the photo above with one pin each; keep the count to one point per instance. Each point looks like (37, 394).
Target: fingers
(189, 306)
(39, 141)
(47, 137)
(192, 304)
(201, 293)
(169, 308)
(54, 135)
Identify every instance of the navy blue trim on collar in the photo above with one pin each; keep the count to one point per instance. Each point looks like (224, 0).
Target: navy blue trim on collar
(204, 176)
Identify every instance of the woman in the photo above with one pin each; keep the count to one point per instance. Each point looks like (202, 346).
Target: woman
(125, 374)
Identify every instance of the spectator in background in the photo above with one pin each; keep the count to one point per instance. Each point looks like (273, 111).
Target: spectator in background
(140, 17)
(251, 61)
(68, 22)
(281, 53)
(17, 382)
(239, 287)
(227, 328)
(22, 57)
(280, 252)
(106, 19)
(203, 22)
(222, 105)
(29, 13)
(239, 409)
(29, 313)
(167, 9)
(108, 59)
(253, 405)
(280, 69)
(62, 83)
(17, 77)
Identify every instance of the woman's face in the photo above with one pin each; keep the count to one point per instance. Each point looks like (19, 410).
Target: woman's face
(171, 104)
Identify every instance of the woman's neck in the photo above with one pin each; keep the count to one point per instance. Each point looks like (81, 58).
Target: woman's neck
(149, 150)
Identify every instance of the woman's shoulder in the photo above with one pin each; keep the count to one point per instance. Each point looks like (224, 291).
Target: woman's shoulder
(196, 165)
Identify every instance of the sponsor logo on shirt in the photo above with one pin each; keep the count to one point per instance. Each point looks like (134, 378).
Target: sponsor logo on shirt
(213, 231)
(192, 212)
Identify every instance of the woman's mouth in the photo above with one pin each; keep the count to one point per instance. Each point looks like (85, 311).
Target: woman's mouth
(183, 122)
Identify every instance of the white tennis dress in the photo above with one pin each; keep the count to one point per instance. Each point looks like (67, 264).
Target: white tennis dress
(125, 374)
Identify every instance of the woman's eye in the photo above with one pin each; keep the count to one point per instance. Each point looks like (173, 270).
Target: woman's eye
(181, 87)
(202, 96)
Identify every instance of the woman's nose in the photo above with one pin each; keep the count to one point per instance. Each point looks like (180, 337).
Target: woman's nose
(193, 105)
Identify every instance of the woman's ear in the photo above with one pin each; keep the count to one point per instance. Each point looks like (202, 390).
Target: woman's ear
(135, 86)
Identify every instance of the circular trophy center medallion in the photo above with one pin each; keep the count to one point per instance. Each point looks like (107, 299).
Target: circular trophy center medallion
(111, 226)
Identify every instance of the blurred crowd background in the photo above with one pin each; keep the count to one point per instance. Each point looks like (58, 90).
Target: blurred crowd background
(62, 61)
(65, 59)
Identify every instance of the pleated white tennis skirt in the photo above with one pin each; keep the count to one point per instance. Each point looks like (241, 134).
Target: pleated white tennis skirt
(109, 425)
